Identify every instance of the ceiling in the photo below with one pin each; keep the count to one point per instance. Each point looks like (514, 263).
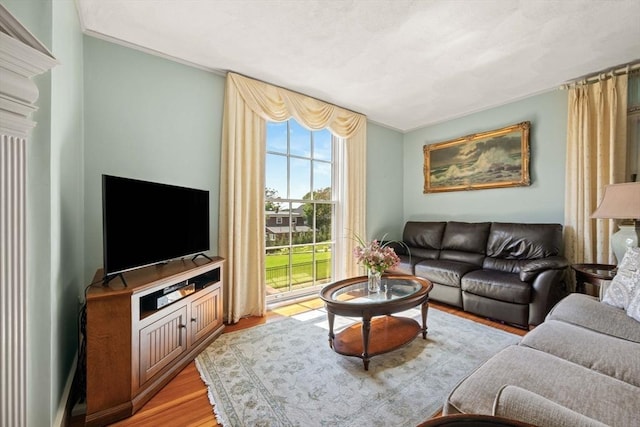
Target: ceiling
(404, 64)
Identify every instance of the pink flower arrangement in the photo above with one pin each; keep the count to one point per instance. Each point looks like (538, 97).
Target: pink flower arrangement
(375, 256)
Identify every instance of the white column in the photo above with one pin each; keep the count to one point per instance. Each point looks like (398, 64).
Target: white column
(22, 57)
(12, 280)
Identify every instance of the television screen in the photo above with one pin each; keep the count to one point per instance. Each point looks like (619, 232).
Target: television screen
(146, 223)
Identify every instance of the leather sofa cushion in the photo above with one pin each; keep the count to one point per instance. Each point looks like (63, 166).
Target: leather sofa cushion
(416, 252)
(406, 264)
(421, 253)
(464, 257)
(466, 237)
(524, 241)
(497, 285)
(426, 235)
(505, 265)
(443, 272)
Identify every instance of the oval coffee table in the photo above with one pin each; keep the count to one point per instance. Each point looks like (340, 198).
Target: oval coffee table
(372, 337)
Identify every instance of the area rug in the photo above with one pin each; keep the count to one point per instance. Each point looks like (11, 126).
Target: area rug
(284, 373)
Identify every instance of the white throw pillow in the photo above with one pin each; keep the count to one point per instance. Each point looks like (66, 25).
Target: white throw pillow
(633, 310)
(634, 307)
(625, 287)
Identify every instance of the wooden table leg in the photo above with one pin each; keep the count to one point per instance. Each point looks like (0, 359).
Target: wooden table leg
(330, 318)
(424, 310)
(366, 327)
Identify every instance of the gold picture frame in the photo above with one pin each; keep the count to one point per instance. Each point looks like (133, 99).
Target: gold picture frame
(494, 159)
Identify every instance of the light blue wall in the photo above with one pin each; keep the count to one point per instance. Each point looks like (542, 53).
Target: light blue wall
(542, 201)
(384, 182)
(147, 118)
(54, 234)
(67, 193)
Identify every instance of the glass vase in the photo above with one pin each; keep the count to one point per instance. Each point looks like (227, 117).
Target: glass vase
(373, 280)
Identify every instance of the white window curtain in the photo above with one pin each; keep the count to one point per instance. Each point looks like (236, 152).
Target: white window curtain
(596, 157)
(248, 105)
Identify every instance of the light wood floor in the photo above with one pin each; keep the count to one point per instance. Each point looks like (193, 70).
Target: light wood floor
(184, 402)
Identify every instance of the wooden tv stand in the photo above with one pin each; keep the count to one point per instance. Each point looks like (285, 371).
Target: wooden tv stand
(133, 349)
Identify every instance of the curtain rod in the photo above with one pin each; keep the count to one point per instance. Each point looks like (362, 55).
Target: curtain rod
(630, 68)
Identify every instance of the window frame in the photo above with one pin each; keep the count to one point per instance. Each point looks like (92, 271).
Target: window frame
(335, 202)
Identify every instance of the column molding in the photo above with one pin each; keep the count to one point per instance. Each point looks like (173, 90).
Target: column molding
(22, 57)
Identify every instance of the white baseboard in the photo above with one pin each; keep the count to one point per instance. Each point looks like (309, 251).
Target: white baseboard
(66, 393)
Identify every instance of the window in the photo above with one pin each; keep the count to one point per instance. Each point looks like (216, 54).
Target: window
(299, 185)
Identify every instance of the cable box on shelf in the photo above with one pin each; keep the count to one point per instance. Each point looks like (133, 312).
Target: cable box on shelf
(167, 296)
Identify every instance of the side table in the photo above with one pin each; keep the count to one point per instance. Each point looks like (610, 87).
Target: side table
(594, 275)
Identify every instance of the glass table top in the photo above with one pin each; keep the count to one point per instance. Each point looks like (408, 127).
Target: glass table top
(391, 289)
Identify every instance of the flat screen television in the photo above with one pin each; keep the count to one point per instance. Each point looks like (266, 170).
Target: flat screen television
(146, 223)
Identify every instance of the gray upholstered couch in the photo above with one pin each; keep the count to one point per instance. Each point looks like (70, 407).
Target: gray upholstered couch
(512, 272)
(580, 367)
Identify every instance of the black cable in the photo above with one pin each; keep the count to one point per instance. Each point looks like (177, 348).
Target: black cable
(82, 346)
(82, 354)
(91, 284)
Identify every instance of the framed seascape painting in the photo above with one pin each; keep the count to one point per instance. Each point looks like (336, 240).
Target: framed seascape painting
(494, 159)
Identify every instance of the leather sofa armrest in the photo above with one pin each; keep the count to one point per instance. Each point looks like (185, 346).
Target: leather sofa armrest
(523, 405)
(531, 269)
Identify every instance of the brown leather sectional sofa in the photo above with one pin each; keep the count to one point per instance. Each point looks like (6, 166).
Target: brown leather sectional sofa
(511, 272)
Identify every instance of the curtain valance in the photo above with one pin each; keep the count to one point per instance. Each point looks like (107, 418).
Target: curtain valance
(276, 104)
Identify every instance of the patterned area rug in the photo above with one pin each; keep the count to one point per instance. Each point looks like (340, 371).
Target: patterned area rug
(284, 373)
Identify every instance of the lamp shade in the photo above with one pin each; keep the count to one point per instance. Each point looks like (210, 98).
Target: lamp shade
(620, 201)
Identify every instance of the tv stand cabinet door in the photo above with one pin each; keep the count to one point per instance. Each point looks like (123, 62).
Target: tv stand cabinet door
(206, 313)
(162, 342)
